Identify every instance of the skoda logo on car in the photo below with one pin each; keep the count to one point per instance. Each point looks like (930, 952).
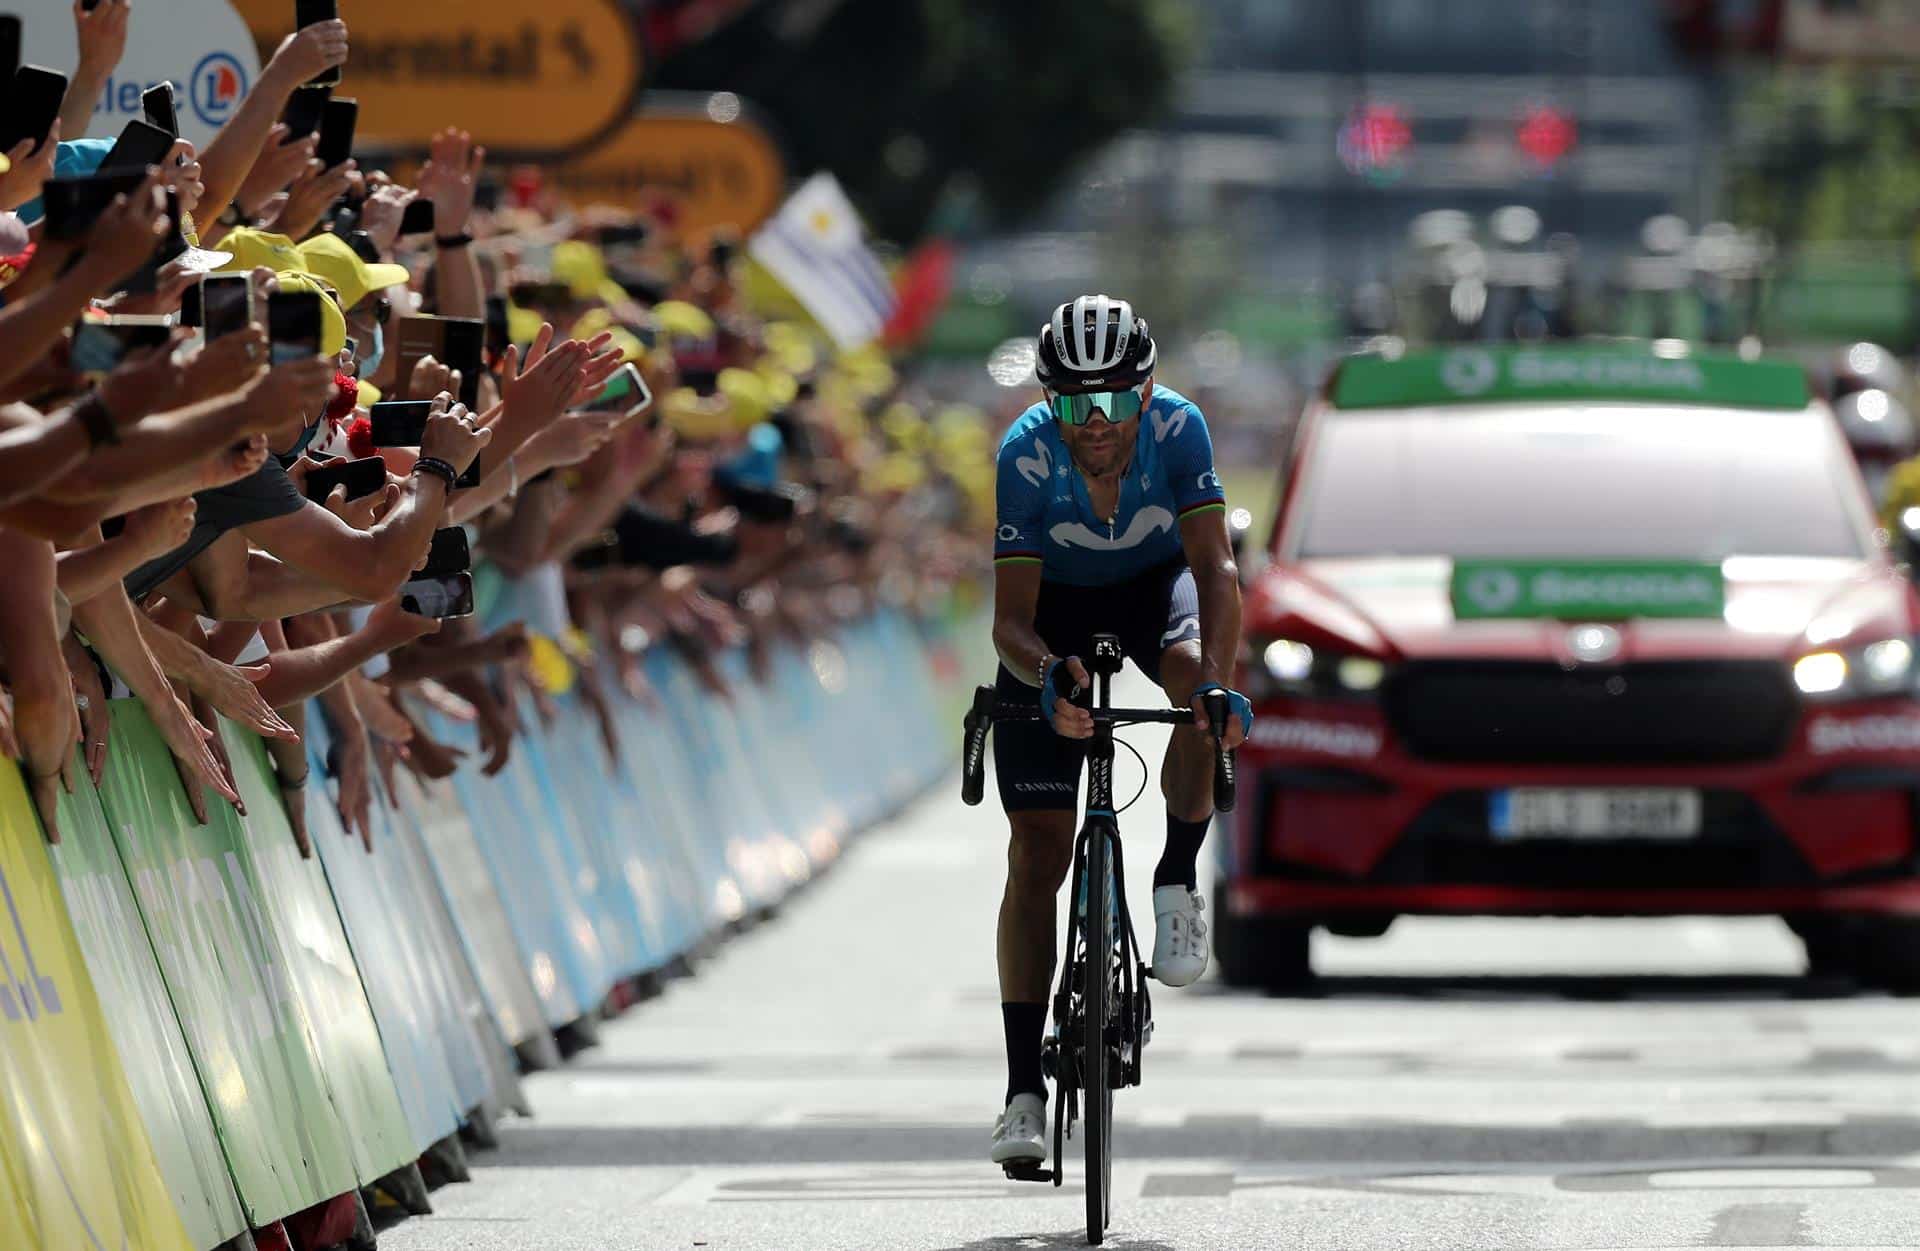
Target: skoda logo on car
(1494, 590)
(1469, 372)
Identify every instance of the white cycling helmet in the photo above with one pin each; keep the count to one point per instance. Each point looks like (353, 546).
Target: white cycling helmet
(1094, 343)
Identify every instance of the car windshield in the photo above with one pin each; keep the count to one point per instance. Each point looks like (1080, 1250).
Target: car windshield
(1599, 481)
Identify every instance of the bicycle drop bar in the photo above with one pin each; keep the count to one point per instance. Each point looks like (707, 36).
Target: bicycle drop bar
(987, 708)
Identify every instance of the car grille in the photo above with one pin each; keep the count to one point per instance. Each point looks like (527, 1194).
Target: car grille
(1450, 844)
(1656, 712)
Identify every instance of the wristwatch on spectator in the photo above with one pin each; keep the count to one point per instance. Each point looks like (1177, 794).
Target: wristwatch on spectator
(94, 418)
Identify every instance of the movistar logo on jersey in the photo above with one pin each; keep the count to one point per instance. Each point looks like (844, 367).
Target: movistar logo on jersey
(1145, 524)
(1608, 590)
(1601, 372)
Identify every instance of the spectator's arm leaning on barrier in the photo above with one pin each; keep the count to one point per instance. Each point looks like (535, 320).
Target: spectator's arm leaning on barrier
(303, 672)
(101, 33)
(45, 719)
(449, 658)
(349, 760)
(230, 690)
(69, 523)
(242, 142)
(111, 625)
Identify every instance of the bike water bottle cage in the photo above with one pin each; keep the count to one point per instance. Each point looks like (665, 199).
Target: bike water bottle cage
(1118, 407)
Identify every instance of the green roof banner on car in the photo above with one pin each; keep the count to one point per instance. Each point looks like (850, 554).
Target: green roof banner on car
(1586, 590)
(1466, 375)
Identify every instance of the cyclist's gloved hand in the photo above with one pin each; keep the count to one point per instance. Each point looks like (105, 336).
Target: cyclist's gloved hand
(1239, 712)
(1062, 676)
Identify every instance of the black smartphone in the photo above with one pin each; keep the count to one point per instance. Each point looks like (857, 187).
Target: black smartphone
(403, 423)
(337, 123)
(32, 106)
(767, 506)
(293, 325)
(624, 396)
(226, 301)
(304, 112)
(311, 13)
(418, 219)
(456, 342)
(486, 195)
(448, 555)
(499, 336)
(9, 45)
(440, 598)
(624, 235)
(100, 345)
(73, 205)
(361, 477)
(541, 294)
(140, 146)
(602, 553)
(158, 106)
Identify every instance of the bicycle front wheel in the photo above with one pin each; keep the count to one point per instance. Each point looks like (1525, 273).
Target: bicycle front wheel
(1098, 970)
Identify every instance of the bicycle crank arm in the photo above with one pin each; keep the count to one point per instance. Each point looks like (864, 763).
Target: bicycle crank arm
(1031, 1173)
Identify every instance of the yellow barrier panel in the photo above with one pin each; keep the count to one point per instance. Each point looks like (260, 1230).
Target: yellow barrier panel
(77, 1170)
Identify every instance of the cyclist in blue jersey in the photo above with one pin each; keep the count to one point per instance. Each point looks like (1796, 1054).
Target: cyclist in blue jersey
(1111, 521)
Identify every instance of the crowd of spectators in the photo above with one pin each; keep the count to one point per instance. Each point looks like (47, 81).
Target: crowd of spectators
(189, 513)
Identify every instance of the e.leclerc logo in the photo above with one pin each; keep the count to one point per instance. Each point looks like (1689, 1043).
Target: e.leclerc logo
(218, 85)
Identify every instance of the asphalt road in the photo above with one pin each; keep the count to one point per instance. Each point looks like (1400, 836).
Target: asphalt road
(829, 1079)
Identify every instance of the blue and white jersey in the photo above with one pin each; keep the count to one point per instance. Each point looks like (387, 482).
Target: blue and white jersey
(1045, 517)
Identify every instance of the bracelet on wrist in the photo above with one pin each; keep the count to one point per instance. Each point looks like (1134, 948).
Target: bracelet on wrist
(452, 242)
(296, 784)
(437, 468)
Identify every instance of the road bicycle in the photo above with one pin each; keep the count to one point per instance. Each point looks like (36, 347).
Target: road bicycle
(1102, 1014)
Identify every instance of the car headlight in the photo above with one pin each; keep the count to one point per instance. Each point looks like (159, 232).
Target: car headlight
(1883, 668)
(1290, 667)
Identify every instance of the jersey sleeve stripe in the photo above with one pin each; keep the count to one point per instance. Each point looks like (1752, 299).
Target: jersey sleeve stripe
(1201, 507)
(1018, 558)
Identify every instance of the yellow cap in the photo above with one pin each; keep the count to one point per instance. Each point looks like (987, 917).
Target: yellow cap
(334, 259)
(583, 267)
(680, 320)
(333, 322)
(254, 249)
(549, 665)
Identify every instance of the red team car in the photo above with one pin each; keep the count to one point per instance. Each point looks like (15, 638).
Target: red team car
(1601, 630)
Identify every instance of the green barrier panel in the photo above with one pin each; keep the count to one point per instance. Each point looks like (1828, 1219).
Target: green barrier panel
(326, 982)
(140, 1014)
(210, 924)
(77, 1169)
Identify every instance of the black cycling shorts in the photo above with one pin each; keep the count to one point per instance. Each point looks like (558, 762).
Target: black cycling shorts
(1038, 769)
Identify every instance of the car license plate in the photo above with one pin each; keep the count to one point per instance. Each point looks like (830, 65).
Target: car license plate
(1666, 813)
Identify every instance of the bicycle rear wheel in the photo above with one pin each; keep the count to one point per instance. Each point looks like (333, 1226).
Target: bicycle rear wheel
(1098, 974)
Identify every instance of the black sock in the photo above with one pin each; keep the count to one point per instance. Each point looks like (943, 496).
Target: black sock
(1024, 1023)
(1180, 862)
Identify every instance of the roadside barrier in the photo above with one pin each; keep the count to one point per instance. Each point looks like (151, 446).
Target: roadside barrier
(202, 1034)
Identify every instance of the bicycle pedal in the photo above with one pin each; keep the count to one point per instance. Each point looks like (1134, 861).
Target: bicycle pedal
(1027, 1172)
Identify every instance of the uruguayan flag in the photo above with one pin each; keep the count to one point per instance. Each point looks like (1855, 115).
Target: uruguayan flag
(816, 248)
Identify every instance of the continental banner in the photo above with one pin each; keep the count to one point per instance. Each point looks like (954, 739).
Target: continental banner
(523, 79)
(216, 935)
(326, 980)
(718, 173)
(166, 1086)
(77, 1168)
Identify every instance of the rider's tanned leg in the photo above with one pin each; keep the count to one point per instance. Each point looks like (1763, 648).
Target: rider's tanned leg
(1038, 859)
(1186, 778)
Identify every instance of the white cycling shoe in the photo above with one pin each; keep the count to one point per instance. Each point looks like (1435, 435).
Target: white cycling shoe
(1179, 936)
(1020, 1135)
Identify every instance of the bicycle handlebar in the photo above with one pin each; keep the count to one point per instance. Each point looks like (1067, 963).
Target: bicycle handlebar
(987, 709)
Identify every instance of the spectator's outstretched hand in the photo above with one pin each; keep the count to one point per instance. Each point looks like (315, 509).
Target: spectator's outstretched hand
(233, 691)
(385, 209)
(279, 164)
(290, 392)
(239, 461)
(228, 364)
(102, 33)
(311, 51)
(450, 179)
(160, 528)
(129, 231)
(451, 434)
(30, 171)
